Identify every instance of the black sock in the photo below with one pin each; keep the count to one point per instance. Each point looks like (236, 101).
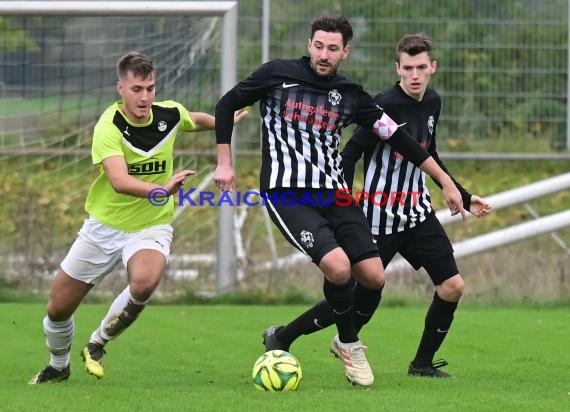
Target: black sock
(366, 302)
(316, 318)
(438, 321)
(339, 298)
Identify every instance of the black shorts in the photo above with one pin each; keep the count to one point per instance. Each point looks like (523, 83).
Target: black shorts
(312, 221)
(426, 244)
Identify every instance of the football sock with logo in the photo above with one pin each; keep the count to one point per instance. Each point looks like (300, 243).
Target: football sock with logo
(316, 318)
(124, 310)
(59, 336)
(438, 321)
(339, 298)
(366, 302)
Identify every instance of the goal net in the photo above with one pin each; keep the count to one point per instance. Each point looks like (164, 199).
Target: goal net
(57, 75)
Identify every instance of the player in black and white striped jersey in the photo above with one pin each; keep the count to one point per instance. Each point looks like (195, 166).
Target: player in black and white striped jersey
(405, 223)
(304, 106)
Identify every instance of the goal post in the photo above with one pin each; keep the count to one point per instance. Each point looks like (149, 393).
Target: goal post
(127, 8)
(226, 10)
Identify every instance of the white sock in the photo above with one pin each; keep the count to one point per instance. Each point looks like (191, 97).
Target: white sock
(123, 312)
(59, 336)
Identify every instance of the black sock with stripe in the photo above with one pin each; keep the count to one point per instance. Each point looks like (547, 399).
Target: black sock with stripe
(437, 323)
(339, 298)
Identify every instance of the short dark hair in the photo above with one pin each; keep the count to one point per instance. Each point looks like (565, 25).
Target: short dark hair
(414, 44)
(137, 63)
(333, 24)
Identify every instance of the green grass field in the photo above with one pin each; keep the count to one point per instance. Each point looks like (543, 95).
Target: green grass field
(200, 358)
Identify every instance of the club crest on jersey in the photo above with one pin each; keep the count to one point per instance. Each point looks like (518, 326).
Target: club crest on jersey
(334, 97)
(430, 124)
(307, 239)
(162, 126)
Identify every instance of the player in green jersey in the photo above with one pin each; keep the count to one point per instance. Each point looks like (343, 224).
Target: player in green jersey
(133, 144)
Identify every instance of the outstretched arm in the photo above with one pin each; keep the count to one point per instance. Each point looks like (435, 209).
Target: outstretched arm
(224, 175)
(451, 194)
(389, 131)
(205, 121)
(465, 195)
(478, 206)
(245, 93)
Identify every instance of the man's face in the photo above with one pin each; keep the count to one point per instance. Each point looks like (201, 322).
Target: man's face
(138, 95)
(327, 52)
(415, 72)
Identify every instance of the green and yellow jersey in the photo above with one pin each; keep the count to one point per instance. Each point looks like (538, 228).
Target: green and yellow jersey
(148, 152)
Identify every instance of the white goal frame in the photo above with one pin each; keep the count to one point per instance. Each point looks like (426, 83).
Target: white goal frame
(226, 267)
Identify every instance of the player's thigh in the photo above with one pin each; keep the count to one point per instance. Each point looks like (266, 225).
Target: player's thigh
(304, 227)
(94, 253)
(389, 245)
(352, 232)
(442, 269)
(428, 246)
(146, 254)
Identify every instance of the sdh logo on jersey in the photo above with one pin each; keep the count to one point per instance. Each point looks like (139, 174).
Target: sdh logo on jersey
(149, 168)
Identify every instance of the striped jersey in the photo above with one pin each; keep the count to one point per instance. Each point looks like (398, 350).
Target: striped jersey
(302, 118)
(397, 194)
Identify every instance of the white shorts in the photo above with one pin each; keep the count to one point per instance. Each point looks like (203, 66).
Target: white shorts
(98, 248)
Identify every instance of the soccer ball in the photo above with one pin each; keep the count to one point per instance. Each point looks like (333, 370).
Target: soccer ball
(277, 371)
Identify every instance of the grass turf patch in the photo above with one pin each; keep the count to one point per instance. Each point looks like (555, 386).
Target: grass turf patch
(200, 358)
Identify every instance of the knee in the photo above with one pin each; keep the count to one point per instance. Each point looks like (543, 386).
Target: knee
(143, 289)
(374, 279)
(335, 266)
(143, 281)
(376, 283)
(370, 273)
(56, 313)
(339, 275)
(145, 270)
(336, 269)
(452, 289)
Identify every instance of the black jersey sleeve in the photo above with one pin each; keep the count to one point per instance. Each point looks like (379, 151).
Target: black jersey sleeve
(361, 141)
(243, 94)
(224, 113)
(465, 195)
(372, 117)
(432, 150)
(408, 147)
